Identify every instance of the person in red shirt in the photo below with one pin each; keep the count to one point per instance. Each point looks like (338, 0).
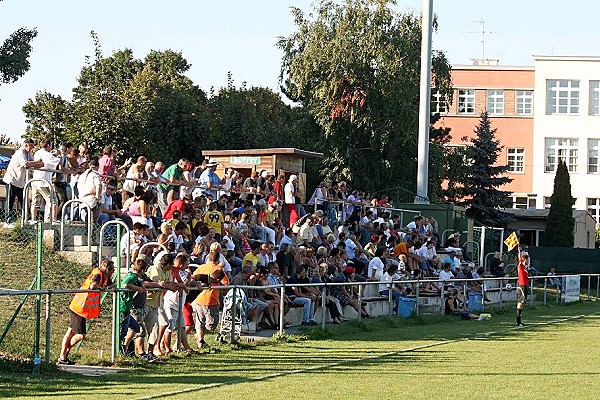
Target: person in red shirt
(523, 282)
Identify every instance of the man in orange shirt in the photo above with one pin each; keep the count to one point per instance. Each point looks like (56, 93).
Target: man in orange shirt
(523, 282)
(206, 305)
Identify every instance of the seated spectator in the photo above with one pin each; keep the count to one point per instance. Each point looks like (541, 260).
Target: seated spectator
(257, 309)
(320, 276)
(554, 281)
(301, 296)
(497, 266)
(384, 288)
(452, 308)
(446, 275)
(341, 293)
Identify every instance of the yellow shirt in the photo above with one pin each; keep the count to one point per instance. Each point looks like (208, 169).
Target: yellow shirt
(156, 273)
(214, 219)
(253, 258)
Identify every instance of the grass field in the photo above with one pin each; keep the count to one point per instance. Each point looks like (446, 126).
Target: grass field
(555, 356)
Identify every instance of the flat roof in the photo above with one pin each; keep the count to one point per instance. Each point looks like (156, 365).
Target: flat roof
(260, 152)
(566, 58)
(493, 67)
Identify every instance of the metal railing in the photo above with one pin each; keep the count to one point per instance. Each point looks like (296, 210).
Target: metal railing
(48, 293)
(89, 223)
(27, 203)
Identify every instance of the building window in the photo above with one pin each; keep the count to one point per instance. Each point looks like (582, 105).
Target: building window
(593, 156)
(594, 97)
(466, 101)
(439, 105)
(562, 96)
(523, 202)
(593, 207)
(524, 102)
(516, 160)
(561, 149)
(495, 102)
(548, 202)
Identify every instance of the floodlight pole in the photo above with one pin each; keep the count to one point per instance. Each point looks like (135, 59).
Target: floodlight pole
(424, 104)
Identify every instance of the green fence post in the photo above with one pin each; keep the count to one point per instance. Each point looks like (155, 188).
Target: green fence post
(37, 360)
(116, 305)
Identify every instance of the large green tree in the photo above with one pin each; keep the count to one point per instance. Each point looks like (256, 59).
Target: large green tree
(138, 106)
(14, 54)
(481, 191)
(355, 67)
(559, 228)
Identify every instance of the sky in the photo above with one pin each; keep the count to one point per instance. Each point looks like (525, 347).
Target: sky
(240, 36)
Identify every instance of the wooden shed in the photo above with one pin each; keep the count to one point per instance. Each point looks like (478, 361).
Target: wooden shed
(279, 161)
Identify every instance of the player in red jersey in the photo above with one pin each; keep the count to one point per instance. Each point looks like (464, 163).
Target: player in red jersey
(523, 282)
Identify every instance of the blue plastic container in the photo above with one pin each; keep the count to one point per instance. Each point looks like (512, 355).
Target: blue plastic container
(406, 307)
(475, 302)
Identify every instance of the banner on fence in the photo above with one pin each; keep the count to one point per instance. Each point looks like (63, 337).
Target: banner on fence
(570, 289)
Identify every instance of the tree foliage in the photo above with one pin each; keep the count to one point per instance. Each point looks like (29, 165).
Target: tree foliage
(480, 191)
(355, 67)
(559, 228)
(14, 54)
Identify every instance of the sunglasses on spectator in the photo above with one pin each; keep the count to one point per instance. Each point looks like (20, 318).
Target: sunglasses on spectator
(111, 188)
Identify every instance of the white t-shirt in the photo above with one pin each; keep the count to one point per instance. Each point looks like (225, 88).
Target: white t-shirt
(106, 201)
(445, 276)
(16, 174)
(170, 297)
(376, 265)
(226, 266)
(50, 161)
(289, 193)
(350, 247)
(229, 245)
(387, 278)
(423, 252)
(87, 184)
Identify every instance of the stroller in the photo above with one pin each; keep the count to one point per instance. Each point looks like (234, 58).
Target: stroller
(228, 322)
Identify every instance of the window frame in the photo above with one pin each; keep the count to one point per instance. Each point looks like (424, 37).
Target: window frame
(571, 97)
(525, 97)
(517, 152)
(594, 109)
(495, 101)
(465, 96)
(571, 152)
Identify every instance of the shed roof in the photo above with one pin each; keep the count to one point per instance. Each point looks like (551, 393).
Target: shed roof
(536, 213)
(259, 152)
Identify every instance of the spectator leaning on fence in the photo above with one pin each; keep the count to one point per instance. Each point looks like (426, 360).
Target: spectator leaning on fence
(85, 306)
(16, 176)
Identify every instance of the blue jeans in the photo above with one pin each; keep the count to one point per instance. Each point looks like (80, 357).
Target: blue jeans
(395, 297)
(306, 304)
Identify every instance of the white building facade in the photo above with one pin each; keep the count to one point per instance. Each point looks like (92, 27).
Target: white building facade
(567, 128)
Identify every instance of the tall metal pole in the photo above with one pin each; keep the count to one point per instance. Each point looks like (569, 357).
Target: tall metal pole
(38, 301)
(424, 104)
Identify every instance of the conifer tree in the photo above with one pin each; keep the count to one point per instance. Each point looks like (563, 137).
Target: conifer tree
(480, 193)
(559, 228)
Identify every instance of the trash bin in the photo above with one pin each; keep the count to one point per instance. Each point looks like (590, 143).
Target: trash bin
(406, 307)
(475, 302)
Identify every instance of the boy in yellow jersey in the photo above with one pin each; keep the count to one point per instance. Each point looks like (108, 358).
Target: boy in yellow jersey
(214, 219)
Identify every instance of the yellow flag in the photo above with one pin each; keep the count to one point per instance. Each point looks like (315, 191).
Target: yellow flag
(511, 241)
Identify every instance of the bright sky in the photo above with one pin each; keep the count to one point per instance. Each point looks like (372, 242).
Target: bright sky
(240, 36)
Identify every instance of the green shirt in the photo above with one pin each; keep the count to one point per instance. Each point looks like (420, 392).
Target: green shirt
(173, 172)
(126, 298)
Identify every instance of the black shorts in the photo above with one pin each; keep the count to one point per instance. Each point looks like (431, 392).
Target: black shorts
(522, 294)
(77, 323)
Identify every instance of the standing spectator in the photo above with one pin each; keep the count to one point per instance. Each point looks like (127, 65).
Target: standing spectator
(85, 306)
(209, 180)
(60, 178)
(16, 177)
(523, 282)
(290, 200)
(206, 305)
(136, 172)
(41, 187)
(90, 190)
(129, 325)
(169, 190)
